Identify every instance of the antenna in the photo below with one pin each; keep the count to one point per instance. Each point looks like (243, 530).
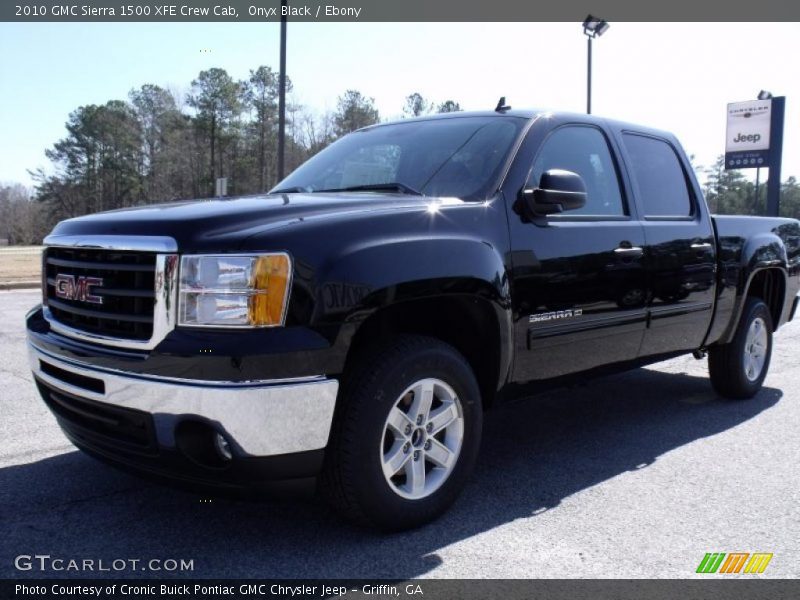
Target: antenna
(501, 105)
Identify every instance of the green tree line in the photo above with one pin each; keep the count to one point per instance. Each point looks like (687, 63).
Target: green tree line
(157, 146)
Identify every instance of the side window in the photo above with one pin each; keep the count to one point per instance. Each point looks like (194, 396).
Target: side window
(583, 150)
(659, 177)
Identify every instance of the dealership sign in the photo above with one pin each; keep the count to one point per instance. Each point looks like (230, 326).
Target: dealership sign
(748, 133)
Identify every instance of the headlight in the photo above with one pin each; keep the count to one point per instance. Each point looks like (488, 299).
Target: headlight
(234, 291)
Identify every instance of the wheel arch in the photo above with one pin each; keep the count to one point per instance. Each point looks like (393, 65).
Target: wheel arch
(476, 327)
(767, 283)
(451, 287)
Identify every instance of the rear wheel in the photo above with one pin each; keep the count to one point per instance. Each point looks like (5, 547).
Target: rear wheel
(738, 369)
(406, 435)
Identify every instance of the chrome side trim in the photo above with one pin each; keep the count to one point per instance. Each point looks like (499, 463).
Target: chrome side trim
(134, 243)
(262, 420)
(165, 310)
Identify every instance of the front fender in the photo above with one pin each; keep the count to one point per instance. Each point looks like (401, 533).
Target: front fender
(385, 271)
(369, 276)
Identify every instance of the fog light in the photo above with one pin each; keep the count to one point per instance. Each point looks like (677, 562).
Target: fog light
(222, 446)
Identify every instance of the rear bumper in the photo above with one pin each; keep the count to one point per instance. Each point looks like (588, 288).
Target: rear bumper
(166, 427)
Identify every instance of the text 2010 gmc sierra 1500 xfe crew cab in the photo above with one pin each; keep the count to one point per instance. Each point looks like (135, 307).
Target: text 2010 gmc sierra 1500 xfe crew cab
(351, 327)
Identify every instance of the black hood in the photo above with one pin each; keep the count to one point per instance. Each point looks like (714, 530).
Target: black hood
(201, 223)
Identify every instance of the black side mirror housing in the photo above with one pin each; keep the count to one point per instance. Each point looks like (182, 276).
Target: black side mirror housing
(558, 191)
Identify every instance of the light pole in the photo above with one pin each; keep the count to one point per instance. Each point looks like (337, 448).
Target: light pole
(762, 95)
(777, 114)
(282, 97)
(592, 27)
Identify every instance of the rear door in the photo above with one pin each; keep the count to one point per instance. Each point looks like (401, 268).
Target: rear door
(680, 251)
(578, 277)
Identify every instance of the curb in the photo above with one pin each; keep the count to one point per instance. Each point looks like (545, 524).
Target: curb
(32, 284)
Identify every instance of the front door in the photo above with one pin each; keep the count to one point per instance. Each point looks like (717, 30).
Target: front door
(578, 277)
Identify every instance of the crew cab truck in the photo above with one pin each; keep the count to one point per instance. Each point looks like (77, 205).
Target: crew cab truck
(350, 328)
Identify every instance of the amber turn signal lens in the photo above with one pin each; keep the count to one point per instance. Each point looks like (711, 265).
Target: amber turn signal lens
(270, 284)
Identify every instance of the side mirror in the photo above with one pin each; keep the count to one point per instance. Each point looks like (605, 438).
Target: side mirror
(558, 191)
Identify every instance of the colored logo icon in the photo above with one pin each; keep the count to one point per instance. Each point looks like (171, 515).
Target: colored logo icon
(734, 562)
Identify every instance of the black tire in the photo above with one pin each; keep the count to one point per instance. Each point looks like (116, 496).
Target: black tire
(727, 363)
(353, 479)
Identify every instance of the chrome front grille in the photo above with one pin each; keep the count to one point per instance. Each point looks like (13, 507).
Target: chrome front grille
(117, 291)
(122, 303)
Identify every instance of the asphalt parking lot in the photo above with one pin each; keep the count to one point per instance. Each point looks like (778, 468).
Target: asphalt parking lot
(632, 476)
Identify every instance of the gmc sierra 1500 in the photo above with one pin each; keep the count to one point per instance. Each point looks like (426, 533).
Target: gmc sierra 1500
(350, 327)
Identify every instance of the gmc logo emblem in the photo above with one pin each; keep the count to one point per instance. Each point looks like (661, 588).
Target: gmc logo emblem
(70, 287)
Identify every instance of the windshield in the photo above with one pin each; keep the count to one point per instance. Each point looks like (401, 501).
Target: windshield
(458, 157)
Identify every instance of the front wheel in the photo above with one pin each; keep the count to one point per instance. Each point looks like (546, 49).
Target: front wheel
(406, 435)
(738, 369)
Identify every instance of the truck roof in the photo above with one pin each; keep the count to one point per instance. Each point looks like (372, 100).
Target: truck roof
(531, 113)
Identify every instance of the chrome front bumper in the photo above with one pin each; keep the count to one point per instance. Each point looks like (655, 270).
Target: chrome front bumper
(264, 418)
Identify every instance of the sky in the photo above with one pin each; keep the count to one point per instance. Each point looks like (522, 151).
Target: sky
(673, 76)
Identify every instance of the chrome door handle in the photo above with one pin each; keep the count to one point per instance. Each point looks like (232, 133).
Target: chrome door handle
(632, 250)
(701, 246)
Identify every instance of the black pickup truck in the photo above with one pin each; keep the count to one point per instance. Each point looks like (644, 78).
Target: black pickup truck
(349, 328)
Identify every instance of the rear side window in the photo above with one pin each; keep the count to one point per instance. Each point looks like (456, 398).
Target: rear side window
(659, 176)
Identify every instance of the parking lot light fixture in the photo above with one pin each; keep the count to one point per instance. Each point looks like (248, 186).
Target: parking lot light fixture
(592, 28)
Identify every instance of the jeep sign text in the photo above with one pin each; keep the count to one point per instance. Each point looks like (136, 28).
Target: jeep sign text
(752, 138)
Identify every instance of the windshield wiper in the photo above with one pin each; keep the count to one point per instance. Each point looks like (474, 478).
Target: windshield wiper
(393, 186)
(291, 190)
